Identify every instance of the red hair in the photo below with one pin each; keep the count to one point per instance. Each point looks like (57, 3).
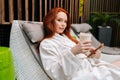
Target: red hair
(49, 21)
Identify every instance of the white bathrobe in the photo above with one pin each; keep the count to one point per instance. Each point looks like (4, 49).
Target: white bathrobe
(61, 64)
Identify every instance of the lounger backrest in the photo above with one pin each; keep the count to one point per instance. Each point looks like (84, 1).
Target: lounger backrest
(26, 64)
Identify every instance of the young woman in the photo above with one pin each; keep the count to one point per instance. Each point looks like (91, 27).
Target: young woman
(64, 58)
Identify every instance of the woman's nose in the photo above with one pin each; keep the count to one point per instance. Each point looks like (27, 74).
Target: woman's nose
(63, 24)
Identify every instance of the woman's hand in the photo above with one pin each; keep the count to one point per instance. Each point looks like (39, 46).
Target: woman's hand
(81, 47)
(95, 52)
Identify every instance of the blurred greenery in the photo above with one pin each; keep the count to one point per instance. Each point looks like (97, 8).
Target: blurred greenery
(102, 19)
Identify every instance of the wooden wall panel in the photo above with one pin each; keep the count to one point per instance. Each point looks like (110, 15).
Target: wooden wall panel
(106, 6)
(1, 11)
(27, 9)
(19, 8)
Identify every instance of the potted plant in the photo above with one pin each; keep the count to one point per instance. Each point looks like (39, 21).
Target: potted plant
(103, 21)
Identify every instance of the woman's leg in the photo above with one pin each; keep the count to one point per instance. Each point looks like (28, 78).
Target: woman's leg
(117, 63)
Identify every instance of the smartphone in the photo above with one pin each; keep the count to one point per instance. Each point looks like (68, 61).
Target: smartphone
(99, 47)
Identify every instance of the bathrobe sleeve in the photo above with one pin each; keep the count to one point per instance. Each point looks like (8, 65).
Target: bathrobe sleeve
(58, 62)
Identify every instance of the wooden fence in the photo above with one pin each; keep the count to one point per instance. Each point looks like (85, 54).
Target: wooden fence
(35, 10)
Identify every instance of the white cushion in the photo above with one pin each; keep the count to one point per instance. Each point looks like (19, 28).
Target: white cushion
(34, 31)
(83, 27)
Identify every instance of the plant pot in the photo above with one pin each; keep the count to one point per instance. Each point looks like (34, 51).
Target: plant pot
(104, 35)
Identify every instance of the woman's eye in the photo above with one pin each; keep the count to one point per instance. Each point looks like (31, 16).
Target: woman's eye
(60, 20)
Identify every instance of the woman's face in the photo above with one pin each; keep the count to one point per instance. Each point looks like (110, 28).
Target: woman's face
(60, 22)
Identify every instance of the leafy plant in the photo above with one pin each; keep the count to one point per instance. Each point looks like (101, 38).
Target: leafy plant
(104, 19)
